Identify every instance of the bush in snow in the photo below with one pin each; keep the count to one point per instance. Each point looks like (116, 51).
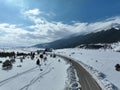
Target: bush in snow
(38, 62)
(54, 56)
(0, 61)
(41, 56)
(50, 55)
(58, 60)
(45, 59)
(44, 52)
(117, 67)
(21, 60)
(7, 64)
(32, 55)
(96, 61)
(12, 60)
(73, 53)
(19, 65)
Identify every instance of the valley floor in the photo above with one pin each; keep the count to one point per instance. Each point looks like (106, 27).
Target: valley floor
(55, 73)
(27, 75)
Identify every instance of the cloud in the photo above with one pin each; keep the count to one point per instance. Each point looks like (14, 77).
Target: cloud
(42, 30)
(102, 25)
(10, 35)
(50, 30)
(11, 29)
(33, 12)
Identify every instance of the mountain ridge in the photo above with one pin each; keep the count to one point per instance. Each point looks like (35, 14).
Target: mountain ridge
(105, 36)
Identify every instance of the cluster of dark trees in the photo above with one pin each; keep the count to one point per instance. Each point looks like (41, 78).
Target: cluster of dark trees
(8, 63)
(41, 56)
(22, 54)
(7, 54)
(32, 54)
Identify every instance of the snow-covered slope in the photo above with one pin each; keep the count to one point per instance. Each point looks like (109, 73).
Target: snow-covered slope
(100, 63)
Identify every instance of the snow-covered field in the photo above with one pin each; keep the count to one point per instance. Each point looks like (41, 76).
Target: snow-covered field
(54, 74)
(100, 63)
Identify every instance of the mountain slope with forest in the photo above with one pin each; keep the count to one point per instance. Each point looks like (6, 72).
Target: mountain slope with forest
(105, 36)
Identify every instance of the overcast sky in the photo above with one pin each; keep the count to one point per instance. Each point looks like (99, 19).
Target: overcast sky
(29, 22)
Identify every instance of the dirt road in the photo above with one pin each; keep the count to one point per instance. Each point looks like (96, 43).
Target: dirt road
(85, 79)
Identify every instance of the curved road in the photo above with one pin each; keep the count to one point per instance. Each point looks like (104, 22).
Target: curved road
(85, 79)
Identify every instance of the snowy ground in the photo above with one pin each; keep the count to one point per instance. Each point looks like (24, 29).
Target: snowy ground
(116, 46)
(56, 75)
(100, 63)
(29, 77)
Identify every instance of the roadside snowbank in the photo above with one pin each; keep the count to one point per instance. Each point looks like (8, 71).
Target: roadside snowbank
(73, 81)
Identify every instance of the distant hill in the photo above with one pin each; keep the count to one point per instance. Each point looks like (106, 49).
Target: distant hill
(105, 36)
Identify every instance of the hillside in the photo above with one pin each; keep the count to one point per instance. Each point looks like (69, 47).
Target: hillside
(105, 36)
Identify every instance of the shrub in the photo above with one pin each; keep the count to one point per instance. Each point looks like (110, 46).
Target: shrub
(19, 65)
(38, 62)
(7, 64)
(50, 55)
(12, 60)
(58, 60)
(41, 56)
(54, 56)
(32, 55)
(117, 67)
(45, 59)
(0, 61)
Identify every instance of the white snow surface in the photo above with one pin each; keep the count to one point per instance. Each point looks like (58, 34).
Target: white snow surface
(100, 63)
(29, 76)
(116, 46)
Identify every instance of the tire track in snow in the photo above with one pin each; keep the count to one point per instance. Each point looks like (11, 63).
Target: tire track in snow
(35, 79)
(19, 74)
(15, 76)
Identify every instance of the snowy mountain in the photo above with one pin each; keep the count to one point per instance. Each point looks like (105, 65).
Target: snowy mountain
(111, 35)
